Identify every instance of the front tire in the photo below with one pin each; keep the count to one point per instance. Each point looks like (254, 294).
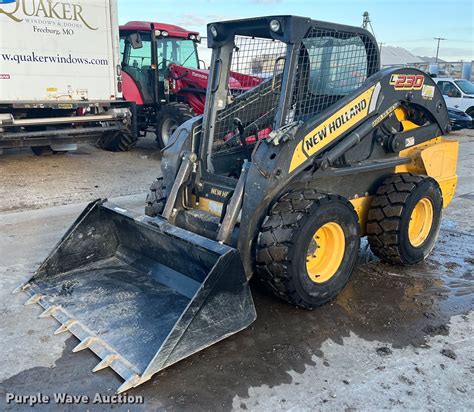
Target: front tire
(116, 141)
(170, 117)
(404, 218)
(308, 247)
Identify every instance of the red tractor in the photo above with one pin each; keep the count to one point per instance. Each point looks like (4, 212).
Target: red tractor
(163, 76)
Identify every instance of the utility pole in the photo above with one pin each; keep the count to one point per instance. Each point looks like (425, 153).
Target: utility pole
(437, 49)
(366, 22)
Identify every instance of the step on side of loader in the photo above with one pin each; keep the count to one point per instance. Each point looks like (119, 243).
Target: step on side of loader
(140, 293)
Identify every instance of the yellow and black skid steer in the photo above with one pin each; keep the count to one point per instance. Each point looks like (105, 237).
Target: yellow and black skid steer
(280, 179)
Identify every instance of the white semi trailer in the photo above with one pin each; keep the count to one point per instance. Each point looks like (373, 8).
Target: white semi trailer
(60, 73)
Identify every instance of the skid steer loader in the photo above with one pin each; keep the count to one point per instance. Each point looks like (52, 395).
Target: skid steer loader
(280, 181)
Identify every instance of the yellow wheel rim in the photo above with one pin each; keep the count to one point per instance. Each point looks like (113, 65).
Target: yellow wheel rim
(421, 220)
(325, 252)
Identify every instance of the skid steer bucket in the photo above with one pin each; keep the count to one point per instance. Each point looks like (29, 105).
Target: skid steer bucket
(139, 292)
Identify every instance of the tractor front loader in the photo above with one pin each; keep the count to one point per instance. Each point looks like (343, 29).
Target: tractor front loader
(279, 181)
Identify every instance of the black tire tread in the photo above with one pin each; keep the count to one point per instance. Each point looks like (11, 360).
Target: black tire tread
(117, 142)
(385, 215)
(156, 198)
(276, 240)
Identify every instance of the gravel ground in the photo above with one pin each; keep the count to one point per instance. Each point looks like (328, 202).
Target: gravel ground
(31, 182)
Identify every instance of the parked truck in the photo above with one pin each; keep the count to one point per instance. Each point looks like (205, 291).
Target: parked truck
(69, 73)
(60, 74)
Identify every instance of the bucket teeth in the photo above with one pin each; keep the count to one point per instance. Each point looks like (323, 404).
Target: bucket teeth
(129, 384)
(105, 363)
(85, 344)
(34, 299)
(21, 288)
(65, 327)
(48, 312)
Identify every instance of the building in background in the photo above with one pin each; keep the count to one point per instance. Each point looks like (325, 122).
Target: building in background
(392, 56)
(397, 56)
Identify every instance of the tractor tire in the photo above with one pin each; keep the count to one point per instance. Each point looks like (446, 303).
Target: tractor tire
(404, 218)
(169, 118)
(470, 112)
(299, 224)
(115, 141)
(156, 199)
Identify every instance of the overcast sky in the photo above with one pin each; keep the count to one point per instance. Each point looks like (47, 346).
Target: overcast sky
(411, 24)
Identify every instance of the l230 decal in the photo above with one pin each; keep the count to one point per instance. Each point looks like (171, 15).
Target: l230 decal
(407, 81)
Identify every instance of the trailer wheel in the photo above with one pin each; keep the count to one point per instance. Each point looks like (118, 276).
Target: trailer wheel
(404, 218)
(169, 118)
(308, 247)
(156, 198)
(116, 141)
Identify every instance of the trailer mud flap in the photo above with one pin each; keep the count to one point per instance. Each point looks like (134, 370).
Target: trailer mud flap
(139, 292)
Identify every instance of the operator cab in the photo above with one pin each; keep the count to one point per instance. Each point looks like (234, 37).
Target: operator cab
(293, 80)
(289, 69)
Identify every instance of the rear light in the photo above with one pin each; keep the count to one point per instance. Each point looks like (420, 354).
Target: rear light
(119, 86)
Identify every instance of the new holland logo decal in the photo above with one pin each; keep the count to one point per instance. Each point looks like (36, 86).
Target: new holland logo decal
(333, 127)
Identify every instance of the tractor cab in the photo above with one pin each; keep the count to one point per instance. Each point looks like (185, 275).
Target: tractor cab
(149, 52)
(148, 49)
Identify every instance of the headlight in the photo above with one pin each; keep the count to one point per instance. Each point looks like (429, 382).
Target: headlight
(164, 33)
(192, 37)
(157, 33)
(275, 26)
(214, 31)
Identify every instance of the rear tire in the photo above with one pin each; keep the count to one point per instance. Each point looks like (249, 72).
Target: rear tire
(116, 141)
(169, 118)
(404, 218)
(156, 199)
(308, 247)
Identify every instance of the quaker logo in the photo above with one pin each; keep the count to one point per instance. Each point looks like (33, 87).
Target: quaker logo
(407, 81)
(18, 10)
